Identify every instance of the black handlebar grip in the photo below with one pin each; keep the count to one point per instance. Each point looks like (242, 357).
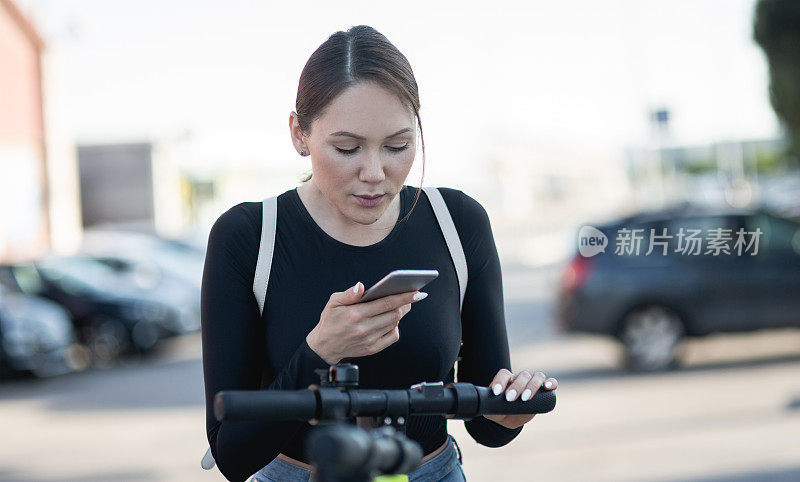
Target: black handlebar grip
(265, 405)
(542, 401)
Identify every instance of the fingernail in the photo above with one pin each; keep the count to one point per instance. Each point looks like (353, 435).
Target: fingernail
(355, 288)
(496, 389)
(420, 296)
(511, 394)
(526, 394)
(548, 384)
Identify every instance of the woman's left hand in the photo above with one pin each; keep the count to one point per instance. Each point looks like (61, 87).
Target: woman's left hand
(524, 385)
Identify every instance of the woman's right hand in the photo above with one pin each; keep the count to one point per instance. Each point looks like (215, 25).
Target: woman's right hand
(348, 329)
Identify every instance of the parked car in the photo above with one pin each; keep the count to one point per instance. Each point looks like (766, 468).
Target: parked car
(651, 302)
(160, 284)
(36, 337)
(110, 315)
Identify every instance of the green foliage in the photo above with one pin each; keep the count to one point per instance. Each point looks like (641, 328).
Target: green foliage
(701, 165)
(769, 161)
(776, 29)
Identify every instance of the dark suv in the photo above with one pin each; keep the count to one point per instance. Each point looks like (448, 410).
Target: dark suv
(742, 275)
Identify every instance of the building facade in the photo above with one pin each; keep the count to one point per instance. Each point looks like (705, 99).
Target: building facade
(24, 220)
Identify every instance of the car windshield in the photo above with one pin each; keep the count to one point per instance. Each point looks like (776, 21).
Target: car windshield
(172, 257)
(779, 236)
(177, 260)
(80, 275)
(26, 277)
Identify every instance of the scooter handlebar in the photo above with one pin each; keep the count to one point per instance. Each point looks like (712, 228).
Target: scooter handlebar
(460, 400)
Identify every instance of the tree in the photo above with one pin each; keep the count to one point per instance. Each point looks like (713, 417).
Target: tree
(776, 29)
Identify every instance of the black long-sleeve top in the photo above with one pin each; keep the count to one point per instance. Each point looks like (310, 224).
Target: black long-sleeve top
(243, 350)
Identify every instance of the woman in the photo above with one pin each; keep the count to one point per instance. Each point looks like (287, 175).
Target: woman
(356, 106)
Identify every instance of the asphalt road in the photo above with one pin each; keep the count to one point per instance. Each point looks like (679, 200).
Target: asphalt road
(731, 413)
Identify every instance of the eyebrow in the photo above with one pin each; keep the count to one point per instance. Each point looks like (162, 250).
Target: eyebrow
(362, 138)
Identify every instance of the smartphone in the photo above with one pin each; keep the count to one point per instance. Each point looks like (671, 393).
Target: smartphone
(399, 281)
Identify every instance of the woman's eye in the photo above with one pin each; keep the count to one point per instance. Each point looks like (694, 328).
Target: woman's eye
(353, 150)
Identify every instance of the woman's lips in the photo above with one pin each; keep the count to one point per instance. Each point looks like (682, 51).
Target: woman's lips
(368, 203)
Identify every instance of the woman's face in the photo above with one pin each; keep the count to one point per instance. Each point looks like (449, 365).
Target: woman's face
(364, 143)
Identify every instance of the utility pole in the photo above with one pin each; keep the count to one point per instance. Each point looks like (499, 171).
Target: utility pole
(659, 119)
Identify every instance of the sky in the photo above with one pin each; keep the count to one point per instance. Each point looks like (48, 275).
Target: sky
(580, 73)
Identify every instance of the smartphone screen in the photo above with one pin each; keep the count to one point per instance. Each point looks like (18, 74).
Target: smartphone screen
(400, 281)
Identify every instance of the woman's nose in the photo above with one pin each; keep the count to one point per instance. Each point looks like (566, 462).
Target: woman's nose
(372, 169)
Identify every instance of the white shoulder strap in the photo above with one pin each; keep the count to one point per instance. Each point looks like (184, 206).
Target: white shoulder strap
(456, 251)
(451, 237)
(208, 461)
(269, 225)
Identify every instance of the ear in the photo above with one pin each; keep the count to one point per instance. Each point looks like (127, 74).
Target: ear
(296, 134)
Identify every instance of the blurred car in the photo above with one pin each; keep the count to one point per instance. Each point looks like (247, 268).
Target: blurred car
(651, 302)
(177, 303)
(36, 337)
(110, 314)
(162, 285)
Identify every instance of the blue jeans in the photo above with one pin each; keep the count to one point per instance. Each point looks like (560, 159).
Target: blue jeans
(444, 467)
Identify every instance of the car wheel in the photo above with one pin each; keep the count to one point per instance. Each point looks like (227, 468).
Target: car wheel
(107, 339)
(651, 336)
(144, 335)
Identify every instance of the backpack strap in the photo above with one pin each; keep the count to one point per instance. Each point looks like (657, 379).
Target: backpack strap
(451, 237)
(456, 251)
(208, 461)
(269, 225)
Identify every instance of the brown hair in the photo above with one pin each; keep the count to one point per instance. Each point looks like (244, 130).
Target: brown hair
(361, 54)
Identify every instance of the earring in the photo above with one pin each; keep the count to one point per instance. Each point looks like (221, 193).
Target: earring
(302, 152)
